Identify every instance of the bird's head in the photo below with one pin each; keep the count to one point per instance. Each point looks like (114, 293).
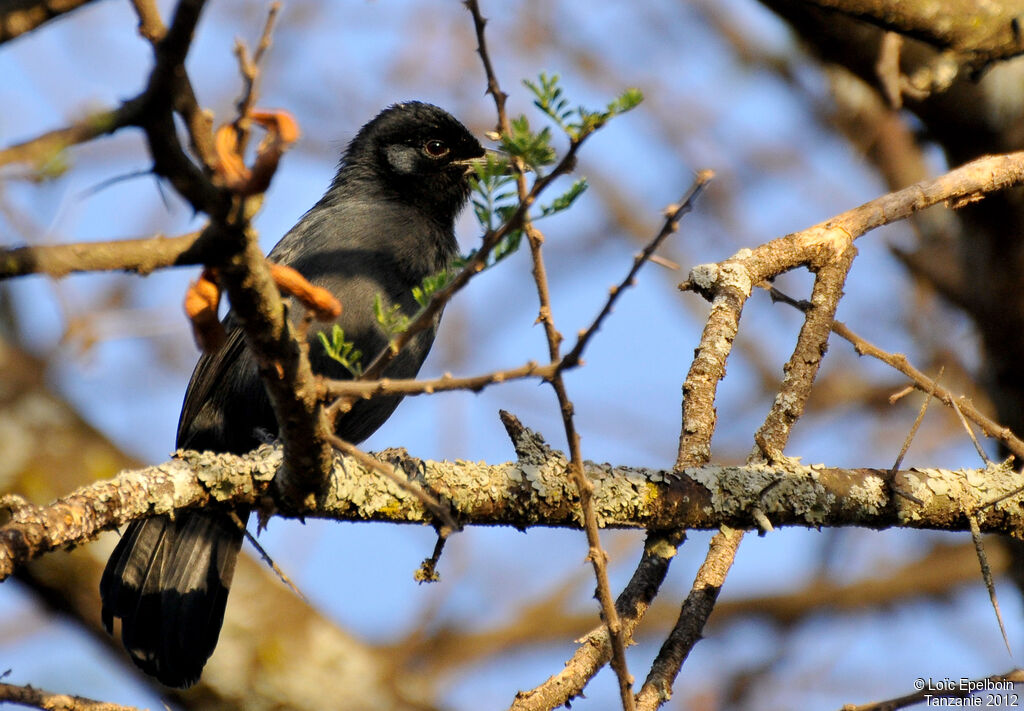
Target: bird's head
(419, 154)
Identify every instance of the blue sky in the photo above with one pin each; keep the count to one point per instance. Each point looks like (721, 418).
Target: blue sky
(334, 65)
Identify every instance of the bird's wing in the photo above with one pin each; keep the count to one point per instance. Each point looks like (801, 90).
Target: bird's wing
(208, 374)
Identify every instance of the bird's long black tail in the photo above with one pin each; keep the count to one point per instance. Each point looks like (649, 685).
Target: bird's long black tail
(168, 581)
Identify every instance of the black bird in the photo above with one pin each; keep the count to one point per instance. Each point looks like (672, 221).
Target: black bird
(385, 223)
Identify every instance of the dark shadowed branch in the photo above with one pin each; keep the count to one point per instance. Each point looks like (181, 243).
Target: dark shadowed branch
(20, 16)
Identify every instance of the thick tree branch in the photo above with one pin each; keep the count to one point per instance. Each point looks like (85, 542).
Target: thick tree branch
(832, 264)
(960, 186)
(39, 699)
(141, 256)
(533, 492)
(981, 32)
(283, 365)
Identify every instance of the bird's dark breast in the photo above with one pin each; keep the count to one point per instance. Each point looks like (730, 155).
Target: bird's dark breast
(233, 412)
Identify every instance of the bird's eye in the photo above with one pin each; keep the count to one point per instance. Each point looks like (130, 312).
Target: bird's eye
(436, 148)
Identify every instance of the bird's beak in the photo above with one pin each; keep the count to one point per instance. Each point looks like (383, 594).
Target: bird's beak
(491, 156)
(496, 154)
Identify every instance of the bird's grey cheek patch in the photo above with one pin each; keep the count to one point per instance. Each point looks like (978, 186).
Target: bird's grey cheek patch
(401, 158)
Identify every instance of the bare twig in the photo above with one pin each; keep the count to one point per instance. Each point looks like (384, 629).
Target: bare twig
(910, 438)
(922, 382)
(281, 575)
(49, 701)
(249, 68)
(596, 649)
(986, 575)
(474, 383)
(151, 25)
(493, 87)
(979, 544)
(970, 433)
(672, 216)
(198, 123)
(427, 572)
(917, 423)
(46, 147)
(597, 556)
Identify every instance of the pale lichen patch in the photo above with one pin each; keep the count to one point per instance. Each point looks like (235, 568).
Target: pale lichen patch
(734, 274)
(869, 495)
(795, 489)
(704, 276)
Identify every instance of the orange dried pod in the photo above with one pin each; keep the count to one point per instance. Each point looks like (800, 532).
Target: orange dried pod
(201, 303)
(279, 122)
(282, 131)
(315, 298)
(229, 163)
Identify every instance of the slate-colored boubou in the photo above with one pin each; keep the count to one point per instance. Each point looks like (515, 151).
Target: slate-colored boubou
(385, 223)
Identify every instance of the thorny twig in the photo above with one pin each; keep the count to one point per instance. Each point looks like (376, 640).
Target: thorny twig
(672, 216)
(910, 438)
(597, 556)
(922, 382)
(474, 383)
(595, 649)
(986, 576)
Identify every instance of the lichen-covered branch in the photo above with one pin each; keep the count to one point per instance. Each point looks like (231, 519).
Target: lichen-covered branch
(826, 249)
(984, 32)
(960, 186)
(529, 492)
(696, 609)
(39, 699)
